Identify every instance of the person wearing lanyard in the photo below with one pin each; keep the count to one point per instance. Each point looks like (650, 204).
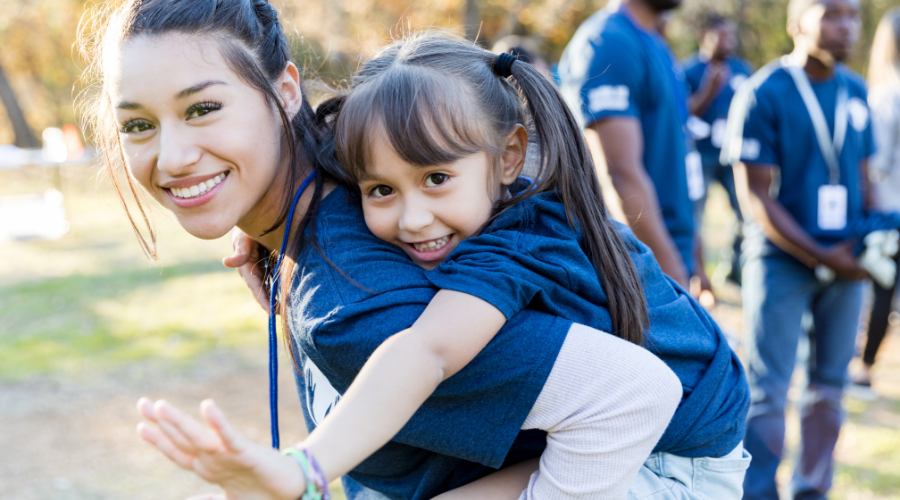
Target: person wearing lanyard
(799, 137)
(714, 74)
(622, 83)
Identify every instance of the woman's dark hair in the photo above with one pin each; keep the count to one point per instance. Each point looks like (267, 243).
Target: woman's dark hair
(436, 98)
(253, 44)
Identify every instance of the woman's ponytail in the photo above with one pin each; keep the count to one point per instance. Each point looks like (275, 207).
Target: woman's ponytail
(566, 166)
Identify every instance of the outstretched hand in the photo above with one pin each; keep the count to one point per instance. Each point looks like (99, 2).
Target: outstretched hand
(219, 454)
(247, 258)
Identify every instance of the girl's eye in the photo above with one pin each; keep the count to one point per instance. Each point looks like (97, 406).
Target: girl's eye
(135, 126)
(202, 108)
(380, 191)
(436, 179)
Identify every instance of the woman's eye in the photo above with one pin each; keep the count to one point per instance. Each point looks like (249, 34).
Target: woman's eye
(436, 179)
(202, 108)
(381, 191)
(135, 126)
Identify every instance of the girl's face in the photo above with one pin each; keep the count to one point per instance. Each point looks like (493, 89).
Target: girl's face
(427, 211)
(202, 142)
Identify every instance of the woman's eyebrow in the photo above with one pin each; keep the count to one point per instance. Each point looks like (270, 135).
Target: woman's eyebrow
(197, 88)
(181, 95)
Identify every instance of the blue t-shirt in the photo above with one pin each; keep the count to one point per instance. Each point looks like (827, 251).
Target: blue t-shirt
(339, 315)
(717, 112)
(531, 257)
(614, 68)
(770, 125)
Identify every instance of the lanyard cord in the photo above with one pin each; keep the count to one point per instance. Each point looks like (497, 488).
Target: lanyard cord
(653, 46)
(273, 278)
(830, 146)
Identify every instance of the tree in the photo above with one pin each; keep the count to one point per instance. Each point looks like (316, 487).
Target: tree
(24, 138)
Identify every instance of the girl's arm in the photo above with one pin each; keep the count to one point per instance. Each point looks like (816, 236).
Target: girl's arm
(392, 385)
(401, 374)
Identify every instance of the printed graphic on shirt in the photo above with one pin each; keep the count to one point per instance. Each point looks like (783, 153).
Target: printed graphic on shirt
(608, 98)
(746, 148)
(321, 396)
(736, 81)
(858, 112)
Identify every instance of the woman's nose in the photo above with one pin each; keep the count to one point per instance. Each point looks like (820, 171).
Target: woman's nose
(177, 152)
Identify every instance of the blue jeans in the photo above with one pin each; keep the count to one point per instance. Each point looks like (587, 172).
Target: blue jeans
(777, 292)
(669, 477)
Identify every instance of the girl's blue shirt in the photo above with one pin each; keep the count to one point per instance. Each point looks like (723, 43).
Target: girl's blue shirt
(339, 315)
(530, 258)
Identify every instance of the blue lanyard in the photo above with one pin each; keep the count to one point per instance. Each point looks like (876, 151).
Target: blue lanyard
(668, 65)
(274, 280)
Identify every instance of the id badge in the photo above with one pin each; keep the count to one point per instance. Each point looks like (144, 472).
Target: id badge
(832, 207)
(717, 136)
(694, 167)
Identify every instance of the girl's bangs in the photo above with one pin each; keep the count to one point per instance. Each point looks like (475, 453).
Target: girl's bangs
(427, 118)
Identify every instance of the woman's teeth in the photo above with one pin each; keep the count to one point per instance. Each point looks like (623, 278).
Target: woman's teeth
(197, 189)
(431, 246)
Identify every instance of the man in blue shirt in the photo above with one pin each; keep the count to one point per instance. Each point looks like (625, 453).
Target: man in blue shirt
(804, 117)
(622, 81)
(714, 74)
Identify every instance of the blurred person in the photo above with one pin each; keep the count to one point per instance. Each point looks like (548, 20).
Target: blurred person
(621, 80)
(714, 74)
(884, 167)
(799, 136)
(525, 49)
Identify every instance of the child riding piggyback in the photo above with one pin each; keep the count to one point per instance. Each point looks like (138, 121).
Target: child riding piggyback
(435, 132)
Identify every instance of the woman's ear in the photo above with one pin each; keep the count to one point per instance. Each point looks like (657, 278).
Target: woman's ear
(514, 155)
(288, 86)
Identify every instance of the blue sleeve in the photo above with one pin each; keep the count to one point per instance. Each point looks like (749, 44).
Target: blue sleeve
(751, 133)
(612, 86)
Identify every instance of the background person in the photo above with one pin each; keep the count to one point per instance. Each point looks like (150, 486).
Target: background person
(823, 192)
(714, 74)
(622, 82)
(884, 167)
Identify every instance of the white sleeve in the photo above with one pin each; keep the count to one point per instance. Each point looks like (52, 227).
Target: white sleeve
(884, 105)
(605, 405)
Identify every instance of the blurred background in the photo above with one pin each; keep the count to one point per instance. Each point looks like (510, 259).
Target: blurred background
(88, 325)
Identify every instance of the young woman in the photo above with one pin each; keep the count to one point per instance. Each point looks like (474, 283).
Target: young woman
(200, 104)
(884, 167)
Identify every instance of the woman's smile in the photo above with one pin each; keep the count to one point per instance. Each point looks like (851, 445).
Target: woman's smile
(196, 191)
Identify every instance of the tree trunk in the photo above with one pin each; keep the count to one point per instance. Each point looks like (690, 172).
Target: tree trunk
(24, 136)
(473, 19)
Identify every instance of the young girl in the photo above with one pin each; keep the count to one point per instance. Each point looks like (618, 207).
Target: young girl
(434, 133)
(200, 104)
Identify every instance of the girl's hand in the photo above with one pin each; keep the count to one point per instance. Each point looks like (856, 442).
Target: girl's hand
(219, 454)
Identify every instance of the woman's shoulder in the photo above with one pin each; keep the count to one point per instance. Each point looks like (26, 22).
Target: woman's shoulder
(342, 258)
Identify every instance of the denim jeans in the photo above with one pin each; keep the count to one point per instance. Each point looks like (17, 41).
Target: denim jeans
(777, 292)
(669, 477)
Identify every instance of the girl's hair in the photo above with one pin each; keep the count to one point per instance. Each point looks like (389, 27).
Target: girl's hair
(253, 44)
(884, 62)
(436, 98)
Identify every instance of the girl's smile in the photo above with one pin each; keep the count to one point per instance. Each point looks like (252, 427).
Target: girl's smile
(432, 251)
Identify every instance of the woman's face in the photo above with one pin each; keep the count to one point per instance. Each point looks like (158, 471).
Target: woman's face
(202, 142)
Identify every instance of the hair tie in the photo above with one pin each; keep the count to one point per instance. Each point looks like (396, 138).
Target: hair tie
(503, 65)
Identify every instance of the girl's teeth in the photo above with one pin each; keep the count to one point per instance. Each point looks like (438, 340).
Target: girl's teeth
(432, 245)
(198, 189)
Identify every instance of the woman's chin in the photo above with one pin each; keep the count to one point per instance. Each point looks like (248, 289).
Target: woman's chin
(205, 231)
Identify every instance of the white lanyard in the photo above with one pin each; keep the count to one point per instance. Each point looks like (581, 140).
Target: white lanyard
(831, 147)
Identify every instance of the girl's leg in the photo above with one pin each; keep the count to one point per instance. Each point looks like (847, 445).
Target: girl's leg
(605, 406)
(505, 484)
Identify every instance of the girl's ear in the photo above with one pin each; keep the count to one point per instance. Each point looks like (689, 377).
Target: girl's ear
(288, 87)
(514, 155)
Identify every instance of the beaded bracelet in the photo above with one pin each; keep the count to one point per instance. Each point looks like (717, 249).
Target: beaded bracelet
(316, 483)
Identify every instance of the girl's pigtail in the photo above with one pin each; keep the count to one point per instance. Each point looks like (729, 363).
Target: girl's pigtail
(566, 166)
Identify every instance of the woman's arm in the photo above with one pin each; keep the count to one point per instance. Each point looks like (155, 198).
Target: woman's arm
(401, 374)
